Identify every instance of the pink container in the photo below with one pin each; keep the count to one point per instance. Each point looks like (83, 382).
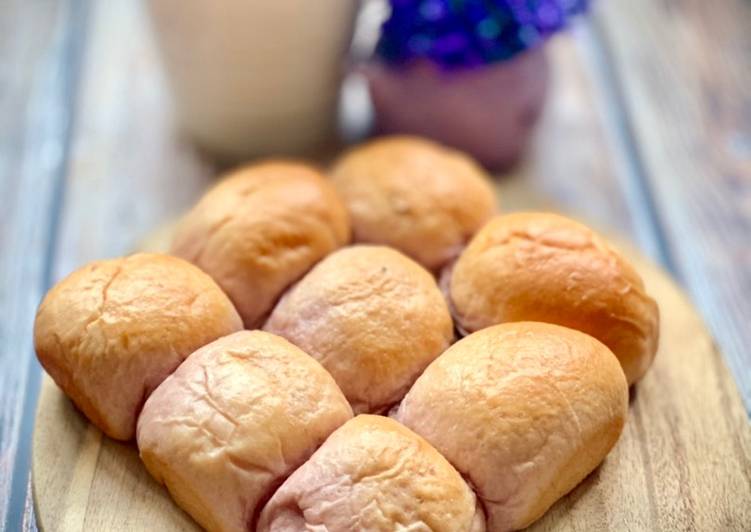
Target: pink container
(489, 112)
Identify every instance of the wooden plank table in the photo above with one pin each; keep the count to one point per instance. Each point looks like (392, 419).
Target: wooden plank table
(647, 134)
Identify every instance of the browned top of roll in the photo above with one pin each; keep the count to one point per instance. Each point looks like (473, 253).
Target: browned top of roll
(373, 474)
(524, 410)
(260, 229)
(372, 316)
(111, 331)
(414, 195)
(545, 267)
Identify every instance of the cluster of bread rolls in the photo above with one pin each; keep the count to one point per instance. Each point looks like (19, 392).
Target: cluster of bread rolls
(343, 405)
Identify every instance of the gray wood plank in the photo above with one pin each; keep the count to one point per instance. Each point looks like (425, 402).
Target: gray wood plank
(39, 43)
(684, 71)
(574, 159)
(130, 169)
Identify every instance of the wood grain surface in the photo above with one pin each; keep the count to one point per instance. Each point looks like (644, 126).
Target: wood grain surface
(682, 463)
(684, 72)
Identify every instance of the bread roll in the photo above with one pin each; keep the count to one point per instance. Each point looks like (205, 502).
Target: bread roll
(374, 474)
(544, 267)
(109, 333)
(372, 317)
(524, 411)
(414, 195)
(233, 421)
(260, 229)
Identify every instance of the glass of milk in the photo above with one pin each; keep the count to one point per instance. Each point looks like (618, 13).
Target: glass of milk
(255, 77)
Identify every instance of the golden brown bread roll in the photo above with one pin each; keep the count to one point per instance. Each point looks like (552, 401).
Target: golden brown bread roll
(544, 267)
(374, 319)
(524, 411)
(110, 332)
(373, 474)
(414, 195)
(260, 229)
(233, 421)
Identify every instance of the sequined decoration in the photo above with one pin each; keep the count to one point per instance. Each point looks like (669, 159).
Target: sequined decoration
(466, 33)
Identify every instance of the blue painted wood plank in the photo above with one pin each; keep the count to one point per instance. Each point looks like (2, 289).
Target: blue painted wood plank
(39, 47)
(683, 70)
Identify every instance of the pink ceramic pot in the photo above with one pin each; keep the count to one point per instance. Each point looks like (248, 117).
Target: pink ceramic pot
(489, 112)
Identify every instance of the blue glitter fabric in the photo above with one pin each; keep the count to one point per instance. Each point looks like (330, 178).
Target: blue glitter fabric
(466, 33)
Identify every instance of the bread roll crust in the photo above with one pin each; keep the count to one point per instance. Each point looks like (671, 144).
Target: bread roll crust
(260, 229)
(374, 319)
(524, 410)
(233, 421)
(374, 474)
(412, 194)
(110, 332)
(545, 267)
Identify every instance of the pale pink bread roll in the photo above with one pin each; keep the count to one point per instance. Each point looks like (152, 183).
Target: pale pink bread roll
(374, 474)
(233, 422)
(414, 195)
(110, 332)
(544, 267)
(373, 317)
(260, 229)
(524, 411)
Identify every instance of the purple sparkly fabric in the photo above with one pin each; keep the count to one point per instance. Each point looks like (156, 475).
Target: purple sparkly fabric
(467, 33)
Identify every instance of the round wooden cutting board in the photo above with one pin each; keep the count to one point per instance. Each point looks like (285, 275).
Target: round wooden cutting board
(682, 463)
